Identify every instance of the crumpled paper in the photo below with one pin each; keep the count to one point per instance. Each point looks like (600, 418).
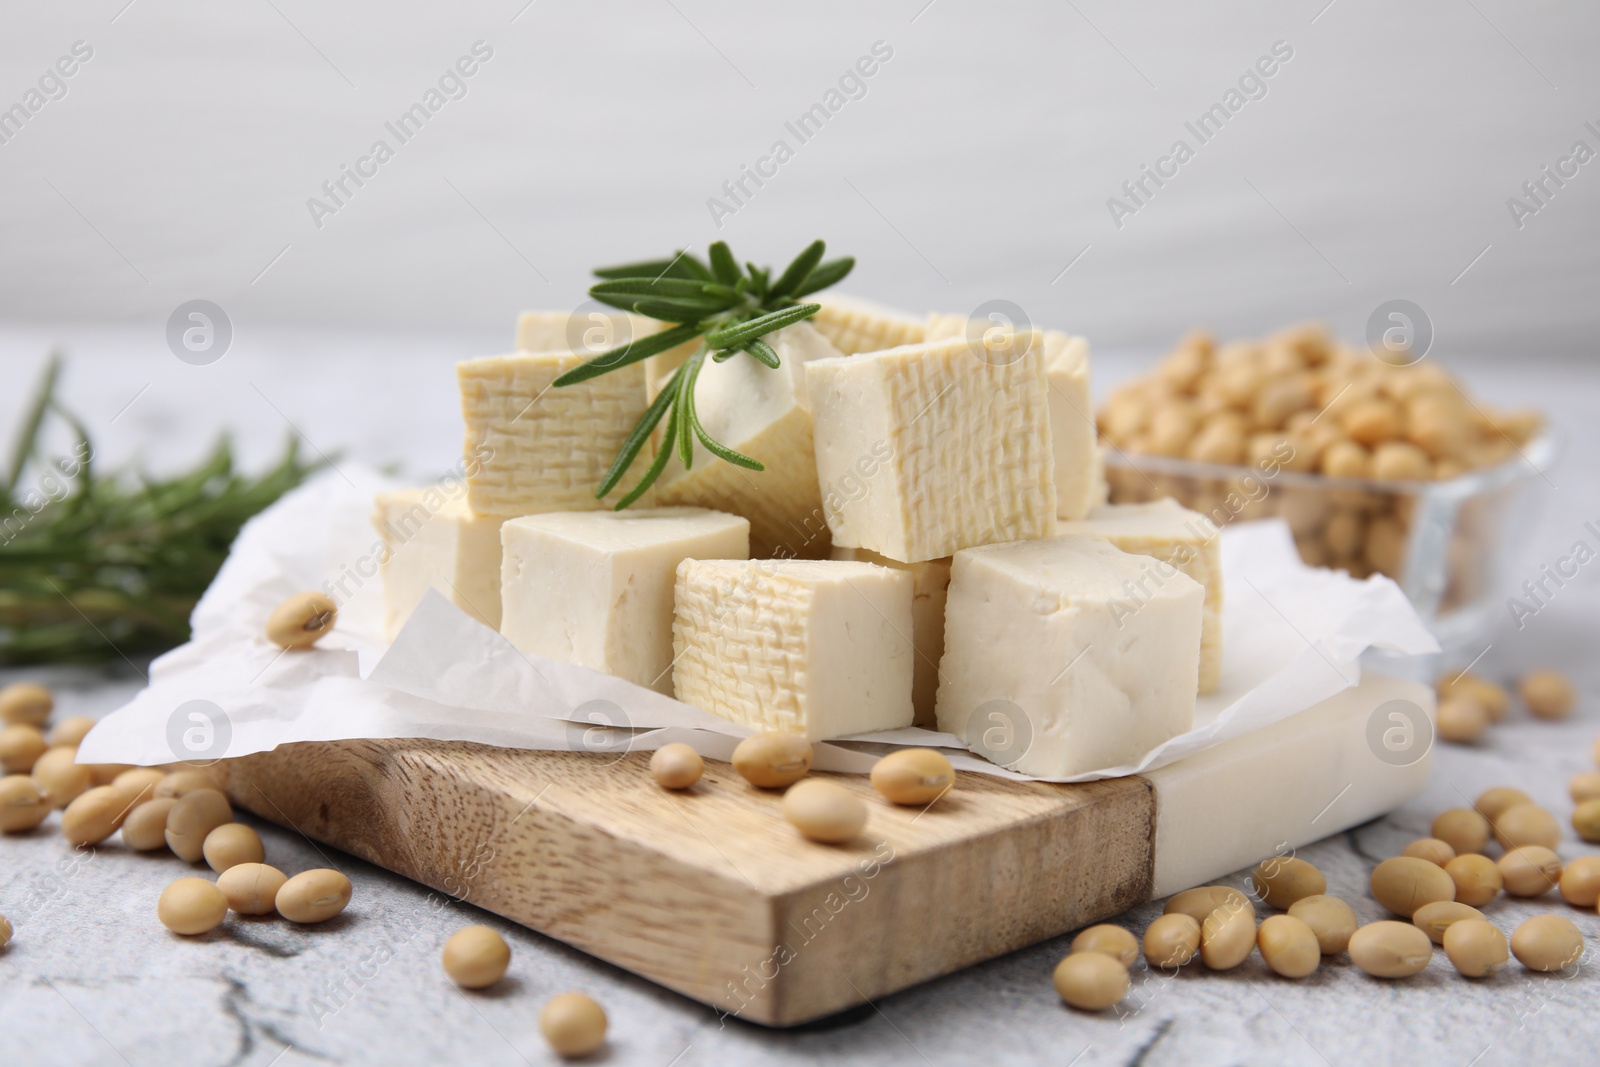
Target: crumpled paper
(1293, 637)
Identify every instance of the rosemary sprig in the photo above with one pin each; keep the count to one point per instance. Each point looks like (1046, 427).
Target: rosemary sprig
(729, 308)
(101, 565)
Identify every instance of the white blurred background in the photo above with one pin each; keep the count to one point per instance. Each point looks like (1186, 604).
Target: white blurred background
(976, 162)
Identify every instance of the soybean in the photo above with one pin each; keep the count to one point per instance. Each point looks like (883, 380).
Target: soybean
(302, 620)
(1227, 937)
(1171, 940)
(913, 776)
(181, 783)
(1547, 943)
(95, 815)
(1463, 829)
(231, 844)
(1547, 694)
(145, 828)
(1282, 880)
(194, 816)
(1580, 881)
(1527, 824)
(477, 956)
(1585, 786)
(1114, 941)
(5, 931)
(1201, 901)
(1389, 949)
(1404, 884)
(1492, 802)
(70, 731)
(1434, 919)
(674, 766)
(1586, 820)
(250, 888)
(140, 782)
(1462, 720)
(824, 811)
(1431, 849)
(22, 804)
(573, 1024)
(1531, 871)
(1090, 981)
(1330, 919)
(20, 748)
(26, 703)
(191, 906)
(1493, 697)
(773, 760)
(313, 896)
(1476, 947)
(1478, 879)
(1289, 946)
(61, 777)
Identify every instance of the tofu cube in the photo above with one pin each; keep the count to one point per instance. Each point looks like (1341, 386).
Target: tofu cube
(814, 647)
(930, 580)
(855, 326)
(434, 542)
(765, 414)
(928, 449)
(1057, 661)
(532, 447)
(1178, 537)
(591, 330)
(595, 588)
(1079, 479)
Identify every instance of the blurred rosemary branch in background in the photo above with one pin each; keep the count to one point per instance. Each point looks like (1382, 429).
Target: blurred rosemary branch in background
(94, 566)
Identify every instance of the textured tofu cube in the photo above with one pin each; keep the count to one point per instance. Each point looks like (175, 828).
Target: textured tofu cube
(435, 542)
(1178, 537)
(532, 447)
(944, 445)
(1066, 655)
(855, 326)
(765, 414)
(815, 647)
(595, 588)
(930, 579)
(1072, 429)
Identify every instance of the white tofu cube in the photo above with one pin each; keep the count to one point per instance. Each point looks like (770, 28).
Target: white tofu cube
(595, 588)
(855, 326)
(947, 445)
(1178, 537)
(930, 580)
(814, 647)
(1067, 655)
(1080, 475)
(765, 414)
(532, 447)
(435, 542)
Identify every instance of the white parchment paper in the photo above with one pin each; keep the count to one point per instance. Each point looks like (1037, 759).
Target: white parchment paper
(1292, 636)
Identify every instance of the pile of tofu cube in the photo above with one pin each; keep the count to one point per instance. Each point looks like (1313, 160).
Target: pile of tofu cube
(928, 544)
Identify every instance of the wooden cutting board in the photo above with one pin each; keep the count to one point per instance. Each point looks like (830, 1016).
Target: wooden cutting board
(710, 893)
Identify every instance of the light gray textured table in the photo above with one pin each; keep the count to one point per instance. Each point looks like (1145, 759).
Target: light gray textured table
(92, 978)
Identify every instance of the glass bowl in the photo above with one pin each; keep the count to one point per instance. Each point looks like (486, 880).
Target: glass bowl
(1446, 543)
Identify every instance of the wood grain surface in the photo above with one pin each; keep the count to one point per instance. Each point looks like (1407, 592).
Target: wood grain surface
(709, 892)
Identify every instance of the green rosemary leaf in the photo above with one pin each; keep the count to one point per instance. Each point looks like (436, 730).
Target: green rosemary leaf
(639, 348)
(830, 273)
(649, 268)
(674, 310)
(758, 281)
(724, 355)
(641, 433)
(689, 373)
(668, 435)
(28, 435)
(686, 265)
(671, 288)
(795, 275)
(723, 265)
(763, 352)
(741, 334)
(722, 451)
